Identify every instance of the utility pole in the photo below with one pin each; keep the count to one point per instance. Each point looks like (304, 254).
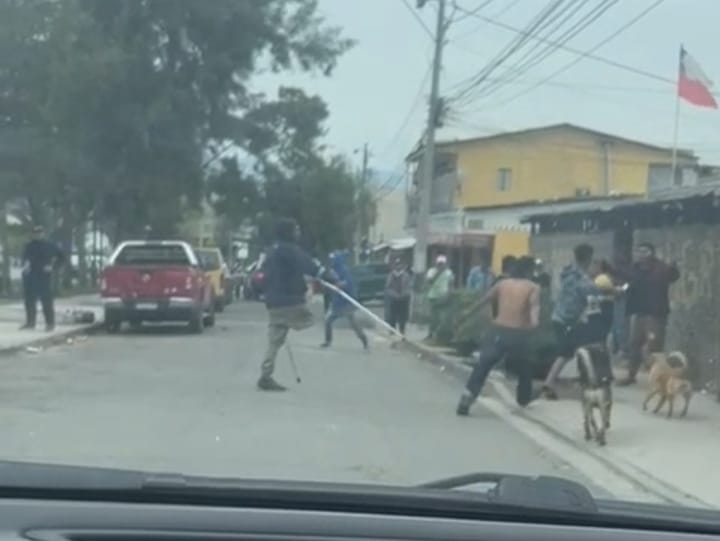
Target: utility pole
(362, 201)
(427, 172)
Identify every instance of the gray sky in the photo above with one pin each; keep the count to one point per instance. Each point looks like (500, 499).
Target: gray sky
(383, 80)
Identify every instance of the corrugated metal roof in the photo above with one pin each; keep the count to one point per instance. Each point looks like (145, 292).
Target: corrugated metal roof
(608, 205)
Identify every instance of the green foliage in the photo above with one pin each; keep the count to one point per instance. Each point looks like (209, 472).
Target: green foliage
(111, 109)
(466, 331)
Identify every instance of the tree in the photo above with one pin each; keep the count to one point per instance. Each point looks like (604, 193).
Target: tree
(117, 106)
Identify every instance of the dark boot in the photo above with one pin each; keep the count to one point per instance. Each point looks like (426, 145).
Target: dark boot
(267, 383)
(463, 407)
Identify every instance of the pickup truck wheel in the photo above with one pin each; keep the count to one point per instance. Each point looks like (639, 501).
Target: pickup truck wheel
(219, 305)
(197, 323)
(112, 326)
(209, 318)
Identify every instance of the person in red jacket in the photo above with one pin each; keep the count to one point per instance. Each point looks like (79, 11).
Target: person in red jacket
(648, 304)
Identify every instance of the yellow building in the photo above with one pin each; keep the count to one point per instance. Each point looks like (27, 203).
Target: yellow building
(556, 162)
(485, 180)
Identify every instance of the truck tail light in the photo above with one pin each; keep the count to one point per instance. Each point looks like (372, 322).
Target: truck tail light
(188, 283)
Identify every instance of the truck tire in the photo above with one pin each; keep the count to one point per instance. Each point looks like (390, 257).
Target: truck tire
(219, 305)
(112, 323)
(209, 317)
(196, 325)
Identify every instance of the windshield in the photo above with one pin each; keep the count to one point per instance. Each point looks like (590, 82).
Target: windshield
(458, 236)
(152, 254)
(209, 259)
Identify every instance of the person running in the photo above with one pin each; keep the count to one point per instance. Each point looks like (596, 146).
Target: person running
(40, 257)
(518, 302)
(339, 305)
(398, 289)
(575, 287)
(286, 267)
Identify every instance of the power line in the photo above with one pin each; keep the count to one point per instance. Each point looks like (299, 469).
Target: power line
(470, 13)
(511, 48)
(416, 101)
(419, 20)
(588, 53)
(539, 56)
(584, 54)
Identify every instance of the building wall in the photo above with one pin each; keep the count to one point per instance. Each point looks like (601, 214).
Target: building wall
(556, 249)
(561, 163)
(695, 297)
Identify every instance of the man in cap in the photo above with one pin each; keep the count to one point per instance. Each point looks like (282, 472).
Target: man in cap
(439, 284)
(40, 257)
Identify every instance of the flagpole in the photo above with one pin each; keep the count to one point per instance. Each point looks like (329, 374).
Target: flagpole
(673, 167)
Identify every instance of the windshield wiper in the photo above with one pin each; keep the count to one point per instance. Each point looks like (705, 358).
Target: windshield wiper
(541, 492)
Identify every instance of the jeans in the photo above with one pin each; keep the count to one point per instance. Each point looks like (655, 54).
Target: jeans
(335, 314)
(398, 313)
(38, 286)
(507, 344)
(640, 327)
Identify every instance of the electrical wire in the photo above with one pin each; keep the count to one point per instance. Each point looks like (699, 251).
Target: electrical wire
(585, 54)
(471, 12)
(504, 54)
(538, 57)
(419, 20)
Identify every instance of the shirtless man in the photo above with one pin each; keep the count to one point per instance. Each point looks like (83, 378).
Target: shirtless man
(518, 312)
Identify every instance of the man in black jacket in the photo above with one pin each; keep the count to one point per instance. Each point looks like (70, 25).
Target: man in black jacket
(286, 267)
(40, 257)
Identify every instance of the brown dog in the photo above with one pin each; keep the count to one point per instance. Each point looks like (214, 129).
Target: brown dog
(667, 380)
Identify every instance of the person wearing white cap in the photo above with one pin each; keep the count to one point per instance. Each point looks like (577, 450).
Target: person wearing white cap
(439, 283)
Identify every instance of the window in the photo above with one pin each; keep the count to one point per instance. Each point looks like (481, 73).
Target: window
(504, 179)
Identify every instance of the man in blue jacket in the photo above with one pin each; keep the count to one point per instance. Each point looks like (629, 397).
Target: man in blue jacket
(286, 267)
(339, 305)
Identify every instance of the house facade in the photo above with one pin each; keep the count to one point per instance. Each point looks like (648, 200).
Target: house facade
(485, 185)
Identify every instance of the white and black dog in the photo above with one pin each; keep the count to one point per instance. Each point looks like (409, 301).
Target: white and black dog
(595, 385)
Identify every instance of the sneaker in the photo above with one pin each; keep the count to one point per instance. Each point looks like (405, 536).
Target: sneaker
(27, 327)
(267, 383)
(548, 393)
(49, 328)
(325, 345)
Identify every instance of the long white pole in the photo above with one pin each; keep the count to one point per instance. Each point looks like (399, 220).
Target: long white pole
(673, 168)
(359, 306)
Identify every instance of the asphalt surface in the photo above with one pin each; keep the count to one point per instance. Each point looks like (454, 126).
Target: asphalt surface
(160, 399)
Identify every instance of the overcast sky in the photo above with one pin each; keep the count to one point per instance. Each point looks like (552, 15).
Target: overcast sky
(379, 92)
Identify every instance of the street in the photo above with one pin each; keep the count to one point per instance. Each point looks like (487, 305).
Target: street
(161, 399)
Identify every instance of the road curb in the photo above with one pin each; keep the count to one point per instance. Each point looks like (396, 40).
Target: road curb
(631, 473)
(53, 340)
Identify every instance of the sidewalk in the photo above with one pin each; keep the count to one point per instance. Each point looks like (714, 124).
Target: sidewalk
(673, 458)
(12, 315)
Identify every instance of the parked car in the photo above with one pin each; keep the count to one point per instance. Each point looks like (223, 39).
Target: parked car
(211, 261)
(253, 288)
(370, 280)
(156, 281)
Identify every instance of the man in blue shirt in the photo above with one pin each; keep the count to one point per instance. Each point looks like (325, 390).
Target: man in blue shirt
(481, 277)
(286, 267)
(40, 257)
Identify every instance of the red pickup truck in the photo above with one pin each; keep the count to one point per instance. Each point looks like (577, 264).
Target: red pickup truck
(156, 281)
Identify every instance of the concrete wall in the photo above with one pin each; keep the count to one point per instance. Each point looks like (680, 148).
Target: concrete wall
(556, 250)
(694, 325)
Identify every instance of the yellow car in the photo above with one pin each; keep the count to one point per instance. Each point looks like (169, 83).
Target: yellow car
(214, 266)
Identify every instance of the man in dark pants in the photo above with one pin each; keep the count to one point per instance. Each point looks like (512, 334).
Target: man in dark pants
(648, 304)
(518, 311)
(286, 267)
(40, 256)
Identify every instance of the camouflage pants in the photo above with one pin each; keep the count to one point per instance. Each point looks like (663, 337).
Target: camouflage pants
(281, 320)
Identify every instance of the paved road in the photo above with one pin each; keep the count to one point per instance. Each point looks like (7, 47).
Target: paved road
(163, 400)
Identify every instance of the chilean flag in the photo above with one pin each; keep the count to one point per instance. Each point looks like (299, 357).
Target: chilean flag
(693, 85)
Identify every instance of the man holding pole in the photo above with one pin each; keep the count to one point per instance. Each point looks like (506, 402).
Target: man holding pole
(286, 267)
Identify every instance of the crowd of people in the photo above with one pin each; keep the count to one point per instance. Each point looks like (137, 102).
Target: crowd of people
(584, 307)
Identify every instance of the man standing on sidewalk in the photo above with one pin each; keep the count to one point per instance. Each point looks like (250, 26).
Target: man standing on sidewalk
(481, 277)
(648, 304)
(398, 289)
(40, 257)
(518, 303)
(286, 267)
(439, 283)
(575, 288)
